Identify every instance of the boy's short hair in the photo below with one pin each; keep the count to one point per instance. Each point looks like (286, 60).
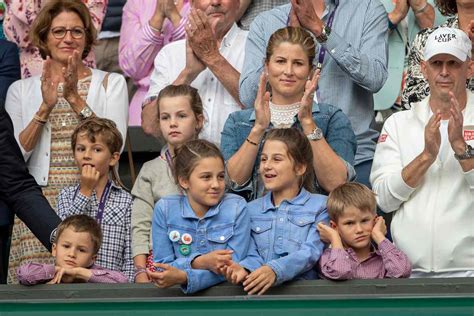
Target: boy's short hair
(95, 126)
(82, 224)
(350, 194)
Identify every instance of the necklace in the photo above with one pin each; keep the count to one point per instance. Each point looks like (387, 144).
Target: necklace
(284, 116)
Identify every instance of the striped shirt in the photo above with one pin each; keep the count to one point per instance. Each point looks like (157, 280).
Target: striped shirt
(385, 262)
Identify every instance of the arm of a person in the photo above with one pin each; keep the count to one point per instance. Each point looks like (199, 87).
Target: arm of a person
(367, 64)
(386, 176)
(253, 62)
(9, 67)
(102, 275)
(227, 75)
(244, 4)
(288, 267)
(35, 273)
(128, 268)
(252, 261)
(426, 18)
(19, 189)
(240, 158)
(335, 264)
(331, 153)
(117, 104)
(160, 77)
(139, 44)
(13, 105)
(70, 203)
(395, 262)
(142, 213)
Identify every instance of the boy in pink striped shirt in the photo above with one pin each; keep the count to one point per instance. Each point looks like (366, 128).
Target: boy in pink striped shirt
(354, 227)
(75, 249)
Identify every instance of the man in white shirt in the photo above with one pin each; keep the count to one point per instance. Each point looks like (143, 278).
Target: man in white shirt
(423, 167)
(210, 59)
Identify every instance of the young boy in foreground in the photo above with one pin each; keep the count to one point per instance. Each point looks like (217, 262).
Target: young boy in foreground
(75, 249)
(354, 225)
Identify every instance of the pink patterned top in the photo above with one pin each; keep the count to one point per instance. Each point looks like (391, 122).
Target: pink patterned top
(139, 45)
(19, 17)
(386, 262)
(37, 273)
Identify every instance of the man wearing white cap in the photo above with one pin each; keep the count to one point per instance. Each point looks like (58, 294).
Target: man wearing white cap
(424, 161)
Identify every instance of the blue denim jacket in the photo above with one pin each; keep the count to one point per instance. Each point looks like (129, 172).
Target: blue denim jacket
(336, 127)
(225, 226)
(286, 237)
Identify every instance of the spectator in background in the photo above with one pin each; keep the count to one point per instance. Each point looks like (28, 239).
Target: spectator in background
(19, 18)
(3, 8)
(210, 60)
(462, 17)
(424, 164)
(352, 38)
(147, 26)
(249, 9)
(406, 19)
(45, 110)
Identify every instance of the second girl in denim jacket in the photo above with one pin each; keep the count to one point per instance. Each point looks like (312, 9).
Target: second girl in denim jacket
(195, 235)
(283, 221)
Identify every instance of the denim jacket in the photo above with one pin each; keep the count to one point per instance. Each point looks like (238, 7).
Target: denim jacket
(286, 237)
(225, 226)
(337, 131)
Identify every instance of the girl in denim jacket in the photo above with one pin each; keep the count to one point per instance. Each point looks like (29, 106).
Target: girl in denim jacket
(196, 234)
(283, 222)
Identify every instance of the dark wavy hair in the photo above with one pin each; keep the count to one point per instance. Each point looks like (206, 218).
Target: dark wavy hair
(447, 7)
(42, 24)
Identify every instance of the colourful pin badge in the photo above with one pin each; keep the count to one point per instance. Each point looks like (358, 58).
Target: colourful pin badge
(185, 250)
(186, 239)
(174, 236)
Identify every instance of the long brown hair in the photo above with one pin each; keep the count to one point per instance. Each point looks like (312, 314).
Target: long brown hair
(42, 24)
(292, 35)
(299, 149)
(447, 7)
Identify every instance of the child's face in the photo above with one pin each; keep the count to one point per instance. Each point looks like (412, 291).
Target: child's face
(206, 184)
(95, 154)
(178, 123)
(355, 227)
(278, 169)
(74, 249)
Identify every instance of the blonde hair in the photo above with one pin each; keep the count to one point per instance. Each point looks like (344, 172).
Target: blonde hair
(292, 35)
(350, 194)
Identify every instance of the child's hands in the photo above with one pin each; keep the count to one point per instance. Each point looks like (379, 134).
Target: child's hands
(379, 230)
(328, 234)
(213, 260)
(259, 281)
(169, 276)
(234, 273)
(70, 275)
(89, 179)
(142, 278)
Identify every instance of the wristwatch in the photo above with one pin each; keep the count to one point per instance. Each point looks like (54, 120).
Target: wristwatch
(467, 154)
(86, 112)
(317, 134)
(325, 32)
